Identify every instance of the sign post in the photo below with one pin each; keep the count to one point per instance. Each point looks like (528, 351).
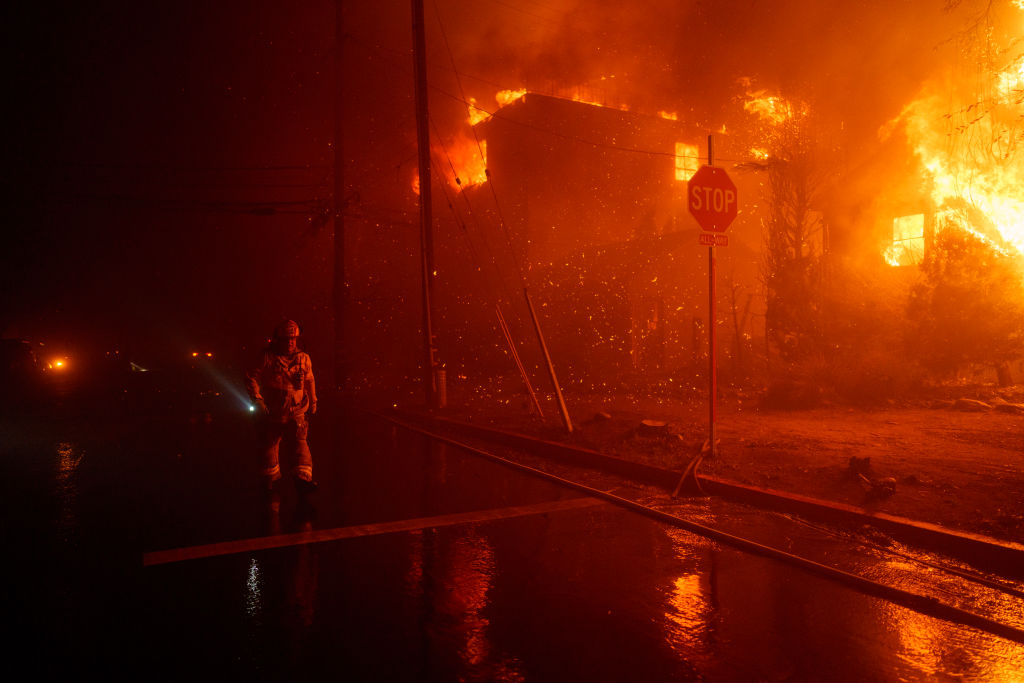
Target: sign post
(712, 199)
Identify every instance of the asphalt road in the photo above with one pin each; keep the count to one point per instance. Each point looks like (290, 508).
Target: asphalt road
(140, 546)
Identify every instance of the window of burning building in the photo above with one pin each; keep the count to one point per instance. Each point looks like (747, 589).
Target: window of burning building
(686, 161)
(907, 248)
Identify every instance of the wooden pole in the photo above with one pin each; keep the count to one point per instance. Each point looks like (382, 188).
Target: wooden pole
(426, 218)
(340, 284)
(547, 360)
(712, 347)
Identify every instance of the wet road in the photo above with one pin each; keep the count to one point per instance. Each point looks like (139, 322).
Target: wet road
(439, 566)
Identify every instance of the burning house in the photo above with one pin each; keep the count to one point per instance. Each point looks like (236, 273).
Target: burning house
(573, 175)
(586, 204)
(593, 202)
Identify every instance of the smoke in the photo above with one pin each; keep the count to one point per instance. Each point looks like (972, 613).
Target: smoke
(859, 61)
(120, 104)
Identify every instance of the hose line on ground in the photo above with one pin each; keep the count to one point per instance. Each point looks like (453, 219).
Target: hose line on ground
(919, 603)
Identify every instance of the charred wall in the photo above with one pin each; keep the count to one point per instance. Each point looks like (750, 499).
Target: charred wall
(573, 175)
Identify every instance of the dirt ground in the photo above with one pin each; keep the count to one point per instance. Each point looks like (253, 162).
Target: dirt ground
(954, 462)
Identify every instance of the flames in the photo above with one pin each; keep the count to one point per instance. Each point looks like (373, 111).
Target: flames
(466, 158)
(966, 129)
(595, 92)
(687, 160)
(503, 98)
(774, 113)
(907, 246)
(773, 109)
(461, 160)
(476, 114)
(507, 97)
(466, 162)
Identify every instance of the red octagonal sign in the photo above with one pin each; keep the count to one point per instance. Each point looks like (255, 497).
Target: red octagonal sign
(711, 196)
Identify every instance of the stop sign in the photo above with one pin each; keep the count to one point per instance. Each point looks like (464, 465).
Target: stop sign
(711, 196)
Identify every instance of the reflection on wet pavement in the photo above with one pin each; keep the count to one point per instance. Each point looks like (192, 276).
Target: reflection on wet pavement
(254, 590)
(922, 646)
(69, 457)
(530, 585)
(690, 601)
(450, 577)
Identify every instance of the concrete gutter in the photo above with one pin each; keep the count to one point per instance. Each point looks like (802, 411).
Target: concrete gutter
(1003, 557)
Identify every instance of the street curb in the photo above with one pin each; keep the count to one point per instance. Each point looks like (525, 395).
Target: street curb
(1003, 557)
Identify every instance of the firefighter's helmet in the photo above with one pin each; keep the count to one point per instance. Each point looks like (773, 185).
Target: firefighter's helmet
(286, 329)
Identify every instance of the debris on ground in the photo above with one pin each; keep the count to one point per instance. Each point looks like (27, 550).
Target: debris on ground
(939, 465)
(971, 404)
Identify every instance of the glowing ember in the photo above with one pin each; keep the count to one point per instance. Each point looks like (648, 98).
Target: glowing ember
(670, 115)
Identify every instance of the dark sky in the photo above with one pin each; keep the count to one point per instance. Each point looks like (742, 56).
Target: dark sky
(167, 158)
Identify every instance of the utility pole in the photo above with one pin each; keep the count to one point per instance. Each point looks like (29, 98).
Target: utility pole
(430, 374)
(712, 329)
(340, 284)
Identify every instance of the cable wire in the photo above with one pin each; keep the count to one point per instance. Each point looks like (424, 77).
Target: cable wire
(919, 603)
(487, 171)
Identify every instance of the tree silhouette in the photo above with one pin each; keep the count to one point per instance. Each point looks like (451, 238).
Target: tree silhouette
(969, 305)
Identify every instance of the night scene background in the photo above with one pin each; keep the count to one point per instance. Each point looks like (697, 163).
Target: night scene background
(182, 177)
(172, 175)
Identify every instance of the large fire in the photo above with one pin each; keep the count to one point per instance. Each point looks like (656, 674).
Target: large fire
(466, 158)
(966, 126)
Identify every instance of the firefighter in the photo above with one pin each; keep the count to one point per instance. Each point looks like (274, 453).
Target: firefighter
(284, 391)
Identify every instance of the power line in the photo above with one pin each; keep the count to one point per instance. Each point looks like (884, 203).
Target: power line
(305, 207)
(462, 224)
(487, 172)
(186, 168)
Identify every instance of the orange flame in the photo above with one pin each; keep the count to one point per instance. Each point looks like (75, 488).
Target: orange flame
(507, 97)
(586, 96)
(907, 247)
(971, 155)
(687, 160)
(476, 114)
(774, 109)
(467, 162)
